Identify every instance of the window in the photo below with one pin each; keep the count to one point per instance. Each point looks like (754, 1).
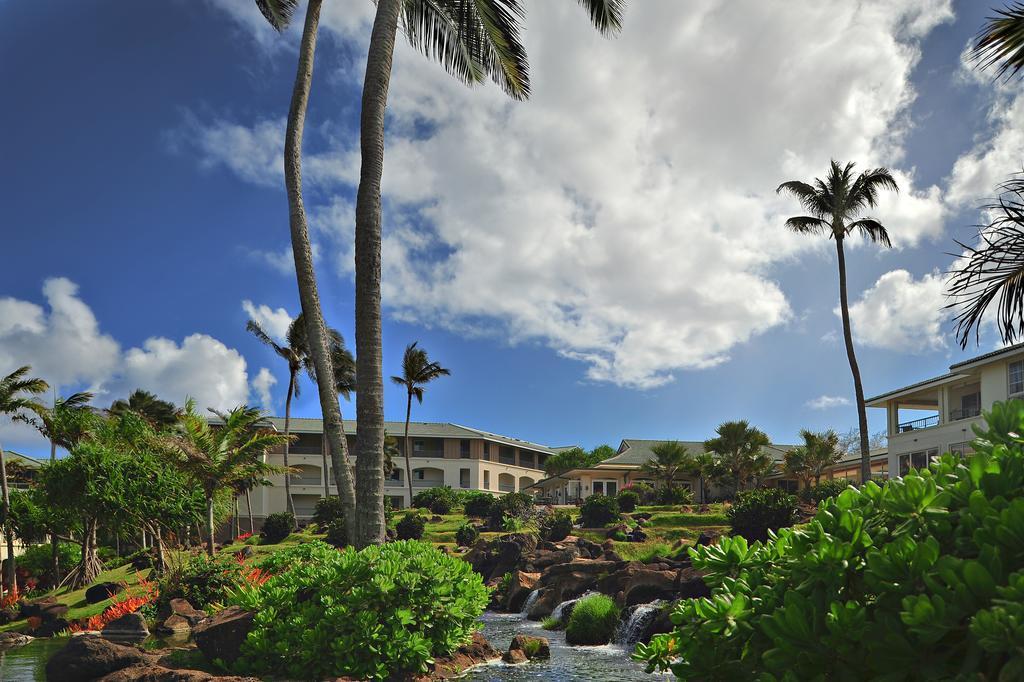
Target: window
(417, 446)
(487, 451)
(961, 449)
(608, 488)
(526, 459)
(506, 455)
(788, 486)
(397, 501)
(463, 478)
(916, 460)
(419, 474)
(464, 449)
(487, 477)
(1016, 378)
(396, 474)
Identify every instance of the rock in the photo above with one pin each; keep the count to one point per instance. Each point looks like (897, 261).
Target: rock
(515, 656)
(544, 558)
(478, 651)
(222, 635)
(101, 592)
(45, 609)
(91, 658)
(435, 519)
(158, 673)
(617, 529)
(244, 553)
(175, 625)
(10, 640)
(708, 537)
(9, 615)
(534, 648)
(178, 616)
(645, 585)
(503, 554)
(49, 628)
(641, 516)
(588, 547)
(519, 589)
(130, 627)
(689, 584)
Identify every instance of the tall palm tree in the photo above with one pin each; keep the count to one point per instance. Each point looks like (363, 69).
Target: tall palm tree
(739, 447)
(472, 41)
(161, 414)
(16, 398)
(835, 205)
(219, 456)
(296, 352)
(1001, 41)
(671, 459)
(417, 372)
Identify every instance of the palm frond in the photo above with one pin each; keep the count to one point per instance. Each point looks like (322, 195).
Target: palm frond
(872, 230)
(863, 192)
(1001, 41)
(256, 329)
(606, 15)
(803, 224)
(811, 198)
(278, 12)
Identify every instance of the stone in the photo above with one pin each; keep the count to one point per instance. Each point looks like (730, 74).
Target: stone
(244, 553)
(46, 609)
(130, 627)
(183, 609)
(478, 651)
(158, 673)
(521, 585)
(91, 658)
(689, 584)
(222, 635)
(51, 627)
(9, 615)
(617, 529)
(175, 625)
(10, 640)
(515, 656)
(645, 585)
(101, 592)
(708, 537)
(588, 547)
(535, 648)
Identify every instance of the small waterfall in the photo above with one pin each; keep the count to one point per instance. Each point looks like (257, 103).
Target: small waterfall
(638, 618)
(560, 609)
(528, 604)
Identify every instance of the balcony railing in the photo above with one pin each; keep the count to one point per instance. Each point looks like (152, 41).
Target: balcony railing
(964, 413)
(507, 487)
(918, 424)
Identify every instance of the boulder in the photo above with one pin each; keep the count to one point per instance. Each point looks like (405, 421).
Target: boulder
(221, 636)
(515, 656)
(101, 592)
(533, 648)
(9, 615)
(158, 673)
(546, 602)
(503, 554)
(131, 627)
(689, 584)
(708, 537)
(51, 627)
(641, 516)
(521, 585)
(46, 609)
(91, 658)
(10, 640)
(175, 625)
(646, 585)
(587, 547)
(617, 529)
(179, 616)
(478, 651)
(545, 558)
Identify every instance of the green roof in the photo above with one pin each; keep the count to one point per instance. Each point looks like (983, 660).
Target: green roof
(636, 451)
(23, 460)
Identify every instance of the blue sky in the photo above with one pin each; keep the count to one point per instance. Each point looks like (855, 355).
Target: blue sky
(605, 261)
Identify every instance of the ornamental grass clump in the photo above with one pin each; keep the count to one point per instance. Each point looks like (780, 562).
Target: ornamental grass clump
(592, 621)
(919, 579)
(386, 610)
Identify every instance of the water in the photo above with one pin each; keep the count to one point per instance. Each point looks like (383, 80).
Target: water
(28, 663)
(560, 609)
(530, 599)
(638, 618)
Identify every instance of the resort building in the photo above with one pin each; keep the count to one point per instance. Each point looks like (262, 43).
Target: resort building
(442, 454)
(937, 415)
(21, 472)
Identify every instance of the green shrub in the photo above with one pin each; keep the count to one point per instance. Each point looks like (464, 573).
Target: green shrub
(477, 504)
(644, 490)
(628, 500)
(337, 534)
(379, 612)
(281, 559)
(556, 527)
(673, 495)
(328, 509)
(466, 535)
(201, 580)
(619, 536)
(599, 510)
(410, 527)
(755, 512)
(592, 621)
(552, 623)
(277, 527)
(438, 500)
(36, 559)
(919, 579)
(824, 490)
(517, 506)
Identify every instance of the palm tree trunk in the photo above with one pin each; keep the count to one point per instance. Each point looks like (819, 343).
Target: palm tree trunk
(369, 377)
(305, 275)
(324, 447)
(290, 504)
(235, 522)
(54, 542)
(209, 524)
(408, 467)
(248, 505)
(862, 415)
(9, 576)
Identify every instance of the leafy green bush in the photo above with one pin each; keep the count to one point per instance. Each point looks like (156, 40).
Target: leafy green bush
(328, 509)
(477, 504)
(555, 527)
(592, 621)
(599, 510)
(201, 580)
(628, 500)
(379, 612)
(438, 500)
(337, 534)
(552, 623)
(516, 506)
(410, 527)
(466, 535)
(277, 527)
(674, 495)
(644, 490)
(36, 559)
(279, 560)
(919, 579)
(824, 490)
(755, 512)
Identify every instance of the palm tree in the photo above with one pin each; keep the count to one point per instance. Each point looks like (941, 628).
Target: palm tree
(835, 205)
(296, 353)
(739, 447)
(1001, 41)
(671, 459)
(472, 41)
(219, 456)
(16, 391)
(417, 372)
(161, 414)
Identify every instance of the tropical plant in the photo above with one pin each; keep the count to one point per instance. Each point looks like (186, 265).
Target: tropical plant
(592, 621)
(440, 500)
(472, 41)
(598, 511)
(417, 372)
(410, 526)
(818, 493)
(517, 506)
(328, 509)
(1001, 42)
(17, 398)
(628, 500)
(921, 578)
(739, 447)
(671, 460)
(835, 205)
(466, 535)
(576, 458)
(218, 455)
(756, 512)
(202, 580)
(160, 414)
(276, 527)
(556, 527)
(477, 503)
(809, 461)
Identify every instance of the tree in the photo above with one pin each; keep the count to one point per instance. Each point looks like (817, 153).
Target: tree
(835, 205)
(218, 456)
(16, 400)
(472, 41)
(739, 448)
(1001, 42)
(296, 353)
(576, 458)
(671, 459)
(849, 441)
(820, 450)
(417, 372)
(161, 414)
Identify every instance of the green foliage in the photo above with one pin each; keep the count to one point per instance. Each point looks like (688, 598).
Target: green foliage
(619, 536)
(592, 621)
(36, 559)
(328, 509)
(410, 527)
(277, 527)
(673, 495)
(577, 458)
(755, 512)
(628, 500)
(476, 503)
(439, 500)
(201, 580)
(552, 623)
(466, 535)
(337, 534)
(644, 490)
(280, 559)
(824, 490)
(599, 510)
(517, 506)
(555, 527)
(919, 579)
(382, 611)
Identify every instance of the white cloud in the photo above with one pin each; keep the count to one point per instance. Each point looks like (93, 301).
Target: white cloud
(977, 173)
(626, 215)
(901, 313)
(262, 384)
(827, 402)
(274, 322)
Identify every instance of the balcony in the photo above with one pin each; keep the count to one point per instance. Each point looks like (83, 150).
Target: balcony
(964, 413)
(918, 424)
